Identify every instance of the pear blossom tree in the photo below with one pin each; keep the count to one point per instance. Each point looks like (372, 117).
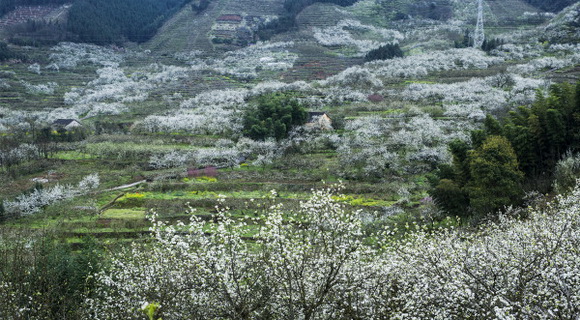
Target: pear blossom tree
(288, 272)
(28, 204)
(314, 264)
(339, 35)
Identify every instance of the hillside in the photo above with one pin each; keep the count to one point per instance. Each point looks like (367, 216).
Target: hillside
(189, 30)
(328, 161)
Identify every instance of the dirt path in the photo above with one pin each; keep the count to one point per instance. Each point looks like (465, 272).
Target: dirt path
(126, 186)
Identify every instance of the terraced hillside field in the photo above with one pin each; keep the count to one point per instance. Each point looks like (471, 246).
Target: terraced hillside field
(188, 30)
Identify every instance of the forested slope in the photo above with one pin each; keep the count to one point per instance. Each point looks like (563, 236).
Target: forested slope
(551, 5)
(8, 5)
(107, 21)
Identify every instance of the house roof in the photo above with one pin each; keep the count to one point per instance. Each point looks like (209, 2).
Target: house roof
(230, 17)
(63, 122)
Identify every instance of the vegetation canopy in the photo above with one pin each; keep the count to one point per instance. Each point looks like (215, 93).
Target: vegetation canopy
(273, 117)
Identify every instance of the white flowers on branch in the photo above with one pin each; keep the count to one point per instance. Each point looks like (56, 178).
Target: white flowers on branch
(247, 62)
(339, 35)
(224, 98)
(107, 94)
(420, 65)
(33, 202)
(354, 77)
(47, 88)
(215, 121)
(21, 153)
(68, 55)
(319, 268)
(545, 63)
(288, 272)
(4, 84)
(34, 68)
(470, 98)
(215, 157)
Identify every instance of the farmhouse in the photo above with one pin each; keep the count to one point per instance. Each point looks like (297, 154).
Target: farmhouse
(230, 18)
(319, 120)
(67, 124)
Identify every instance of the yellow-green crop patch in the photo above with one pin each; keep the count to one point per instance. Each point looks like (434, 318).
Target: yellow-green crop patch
(72, 155)
(132, 197)
(202, 179)
(364, 202)
(133, 213)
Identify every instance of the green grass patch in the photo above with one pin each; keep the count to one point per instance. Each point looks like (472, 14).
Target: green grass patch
(72, 155)
(134, 213)
(362, 201)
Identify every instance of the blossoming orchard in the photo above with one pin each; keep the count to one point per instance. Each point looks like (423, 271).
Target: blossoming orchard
(289, 159)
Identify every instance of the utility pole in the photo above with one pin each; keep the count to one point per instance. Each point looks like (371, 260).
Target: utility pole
(479, 36)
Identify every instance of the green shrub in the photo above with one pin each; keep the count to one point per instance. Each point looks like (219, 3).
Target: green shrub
(388, 51)
(273, 117)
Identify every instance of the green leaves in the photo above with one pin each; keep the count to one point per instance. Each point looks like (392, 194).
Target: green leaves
(495, 177)
(273, 117)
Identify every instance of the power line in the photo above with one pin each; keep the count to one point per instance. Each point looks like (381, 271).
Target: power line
(479, 36)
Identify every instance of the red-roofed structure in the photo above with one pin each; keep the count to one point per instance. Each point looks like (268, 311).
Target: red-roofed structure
(230, 18)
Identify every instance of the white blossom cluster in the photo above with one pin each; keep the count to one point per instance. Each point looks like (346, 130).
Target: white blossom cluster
(423, 64)
(418, 66)
(277, 86)
(14, 119)
(319, 268)
(4, 84)
(107, 94)
(477, 96)
(21, 153)
(212, 121)
(160, 73)
(288, 273)
(215, 157)
(224, 98)
(339, 35)
(216, 112)
(545, 63)
(355, 76)
(247, 62)
(27, 204)
(510, 51)
(224, 154)
(375, 146)
(566, 17)
(34, 68)
(564, 48)
(188, 55)
(46, 89)
(68, 55)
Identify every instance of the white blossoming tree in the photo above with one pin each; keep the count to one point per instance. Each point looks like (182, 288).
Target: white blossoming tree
(313, 264)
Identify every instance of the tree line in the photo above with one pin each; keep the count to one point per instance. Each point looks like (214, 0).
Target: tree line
(112, 21)
(507, 157)
(99, 21)
(9, 5)
(551, 5)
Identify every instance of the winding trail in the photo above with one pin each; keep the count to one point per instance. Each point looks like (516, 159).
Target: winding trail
(126, 186)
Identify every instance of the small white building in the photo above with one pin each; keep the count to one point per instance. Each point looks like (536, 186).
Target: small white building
(67, 124)
(319, 120)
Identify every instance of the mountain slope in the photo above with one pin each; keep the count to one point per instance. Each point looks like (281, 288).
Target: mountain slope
(188, 30)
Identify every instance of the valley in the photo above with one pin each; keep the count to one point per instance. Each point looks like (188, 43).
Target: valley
(164, 131)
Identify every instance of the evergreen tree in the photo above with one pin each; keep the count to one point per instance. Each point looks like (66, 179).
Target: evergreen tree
(388, 51)
(495, 177)
(6, 53)
(273, 117)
